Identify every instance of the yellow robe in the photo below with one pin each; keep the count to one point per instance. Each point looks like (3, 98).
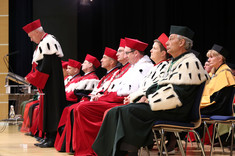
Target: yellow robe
(222, 78)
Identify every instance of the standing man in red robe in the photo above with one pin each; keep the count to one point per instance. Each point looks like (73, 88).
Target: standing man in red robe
(47, 76)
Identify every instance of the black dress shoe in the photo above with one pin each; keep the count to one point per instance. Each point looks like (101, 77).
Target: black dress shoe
(42, 142)
(39, 139)
(28, 134)
(47, 144)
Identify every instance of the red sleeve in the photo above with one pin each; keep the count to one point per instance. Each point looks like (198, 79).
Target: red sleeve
(38, 79)
(70, 96)
(112, 97)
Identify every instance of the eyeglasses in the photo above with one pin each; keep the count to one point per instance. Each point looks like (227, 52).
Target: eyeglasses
(130, 52)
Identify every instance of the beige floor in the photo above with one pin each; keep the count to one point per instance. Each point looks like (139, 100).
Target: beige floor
(15, 143)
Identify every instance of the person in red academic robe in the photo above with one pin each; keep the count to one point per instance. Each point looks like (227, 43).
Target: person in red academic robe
(34, 123)
(83, 84)
(109, 62)
(26, 123)
(64, 68)
(88, 115)
(73, 70)
(47, 76)
(65, 73)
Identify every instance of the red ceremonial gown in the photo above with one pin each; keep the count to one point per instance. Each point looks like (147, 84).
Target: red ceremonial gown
(64, 117)
(70, 93)
(64, 128)
(88, 118)
(26, 123)
(34, 127)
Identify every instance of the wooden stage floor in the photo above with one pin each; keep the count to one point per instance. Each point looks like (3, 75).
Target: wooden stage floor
(15, 143)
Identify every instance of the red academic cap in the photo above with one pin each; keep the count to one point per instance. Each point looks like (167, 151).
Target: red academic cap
(74, 63)
(93, 60)
(135, 44)
(64, 64)
(122, 43)
(163, 39)
(32, 26)
(110, 53)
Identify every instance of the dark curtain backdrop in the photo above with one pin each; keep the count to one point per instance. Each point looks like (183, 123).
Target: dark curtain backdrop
(20, 13)
(101, 23)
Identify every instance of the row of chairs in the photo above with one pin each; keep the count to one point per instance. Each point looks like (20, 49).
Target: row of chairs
(197, 119)
(220, 119)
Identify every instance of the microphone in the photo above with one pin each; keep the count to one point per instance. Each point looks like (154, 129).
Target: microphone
(6, 62)
(13, 53)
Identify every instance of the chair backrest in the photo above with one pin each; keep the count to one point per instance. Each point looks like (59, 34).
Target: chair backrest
(195, 115)
(230, 103)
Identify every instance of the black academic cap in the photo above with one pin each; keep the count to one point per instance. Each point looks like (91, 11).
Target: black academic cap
(220, 50)
(182, 30)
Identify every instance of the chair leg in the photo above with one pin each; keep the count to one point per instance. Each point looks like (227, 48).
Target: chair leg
(163, 145)
(231, 150)
(208, 133)
(213, 137)
(161, 142)
(141, 151)
(204, 133)
(190, 139)
(179, 143)
(186, 142)
(156, 139)
(196, 141)
(205, 129)
(220, 142)
(199, 140)
(147, 150)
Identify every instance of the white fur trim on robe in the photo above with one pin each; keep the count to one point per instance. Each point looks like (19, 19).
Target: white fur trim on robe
(188, 70)
(49, 46)
(67, 80)
(70, 88)
(185, 71)
(87, 84)
(164, 98)
(104, 86)
(155, 73)
(130, 81)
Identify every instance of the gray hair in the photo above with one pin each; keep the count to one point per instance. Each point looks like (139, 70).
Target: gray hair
(40, 29)
(188, 42)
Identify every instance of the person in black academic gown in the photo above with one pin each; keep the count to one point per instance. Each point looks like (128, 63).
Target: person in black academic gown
(47, 76)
